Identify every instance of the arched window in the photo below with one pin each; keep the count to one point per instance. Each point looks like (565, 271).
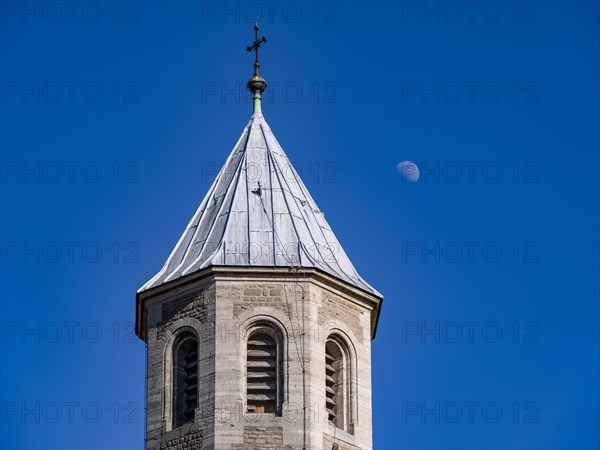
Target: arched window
(185, 379)
(337, 384)
(263, 371)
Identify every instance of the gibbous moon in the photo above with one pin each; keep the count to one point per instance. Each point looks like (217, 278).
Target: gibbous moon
(409, 171)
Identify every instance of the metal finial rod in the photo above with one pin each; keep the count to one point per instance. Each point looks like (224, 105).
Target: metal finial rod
(257, 84)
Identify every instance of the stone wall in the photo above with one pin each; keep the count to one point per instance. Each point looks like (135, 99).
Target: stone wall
(266, 438)
(221, 313)
(336, 308)
(193, 304)
(188, 441)
(257, 294)
(328, 442)
(191, 308)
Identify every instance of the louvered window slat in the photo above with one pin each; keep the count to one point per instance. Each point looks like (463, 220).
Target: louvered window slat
(261, 374)
(330, 384)
(185, 379)
(261, 364)
(336, 384)
(261, 379)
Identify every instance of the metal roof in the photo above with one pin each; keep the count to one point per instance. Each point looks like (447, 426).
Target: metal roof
(258, 213)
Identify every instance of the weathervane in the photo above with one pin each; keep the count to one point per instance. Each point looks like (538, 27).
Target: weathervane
(257, 84)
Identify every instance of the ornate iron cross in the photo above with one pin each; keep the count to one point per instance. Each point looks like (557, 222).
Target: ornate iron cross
(255, 46)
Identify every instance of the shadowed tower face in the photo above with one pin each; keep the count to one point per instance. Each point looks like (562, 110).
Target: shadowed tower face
(258, 328)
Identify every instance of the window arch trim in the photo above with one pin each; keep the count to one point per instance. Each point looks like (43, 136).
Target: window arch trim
(257, 326)
(173, 337)
(185, 379)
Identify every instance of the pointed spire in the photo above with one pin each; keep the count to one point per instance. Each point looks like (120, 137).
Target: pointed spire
(258, 213)
(257, 84)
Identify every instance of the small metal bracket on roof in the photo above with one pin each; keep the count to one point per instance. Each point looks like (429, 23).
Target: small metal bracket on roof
(257, 191)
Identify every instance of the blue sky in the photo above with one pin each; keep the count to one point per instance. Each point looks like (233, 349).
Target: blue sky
(115, 117)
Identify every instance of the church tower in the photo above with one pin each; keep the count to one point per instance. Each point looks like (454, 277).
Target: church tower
(258, 328)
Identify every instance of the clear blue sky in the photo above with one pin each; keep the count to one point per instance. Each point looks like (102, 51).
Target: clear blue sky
(115, 118)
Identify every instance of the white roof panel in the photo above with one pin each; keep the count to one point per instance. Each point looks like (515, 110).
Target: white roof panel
(258, 213)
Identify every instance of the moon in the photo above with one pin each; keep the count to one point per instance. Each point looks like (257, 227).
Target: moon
(409, 171)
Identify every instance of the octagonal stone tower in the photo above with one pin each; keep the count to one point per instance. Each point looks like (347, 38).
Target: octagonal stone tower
(258, 328)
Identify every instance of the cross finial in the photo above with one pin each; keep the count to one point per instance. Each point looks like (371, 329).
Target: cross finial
(255, 46)
(257, 84)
